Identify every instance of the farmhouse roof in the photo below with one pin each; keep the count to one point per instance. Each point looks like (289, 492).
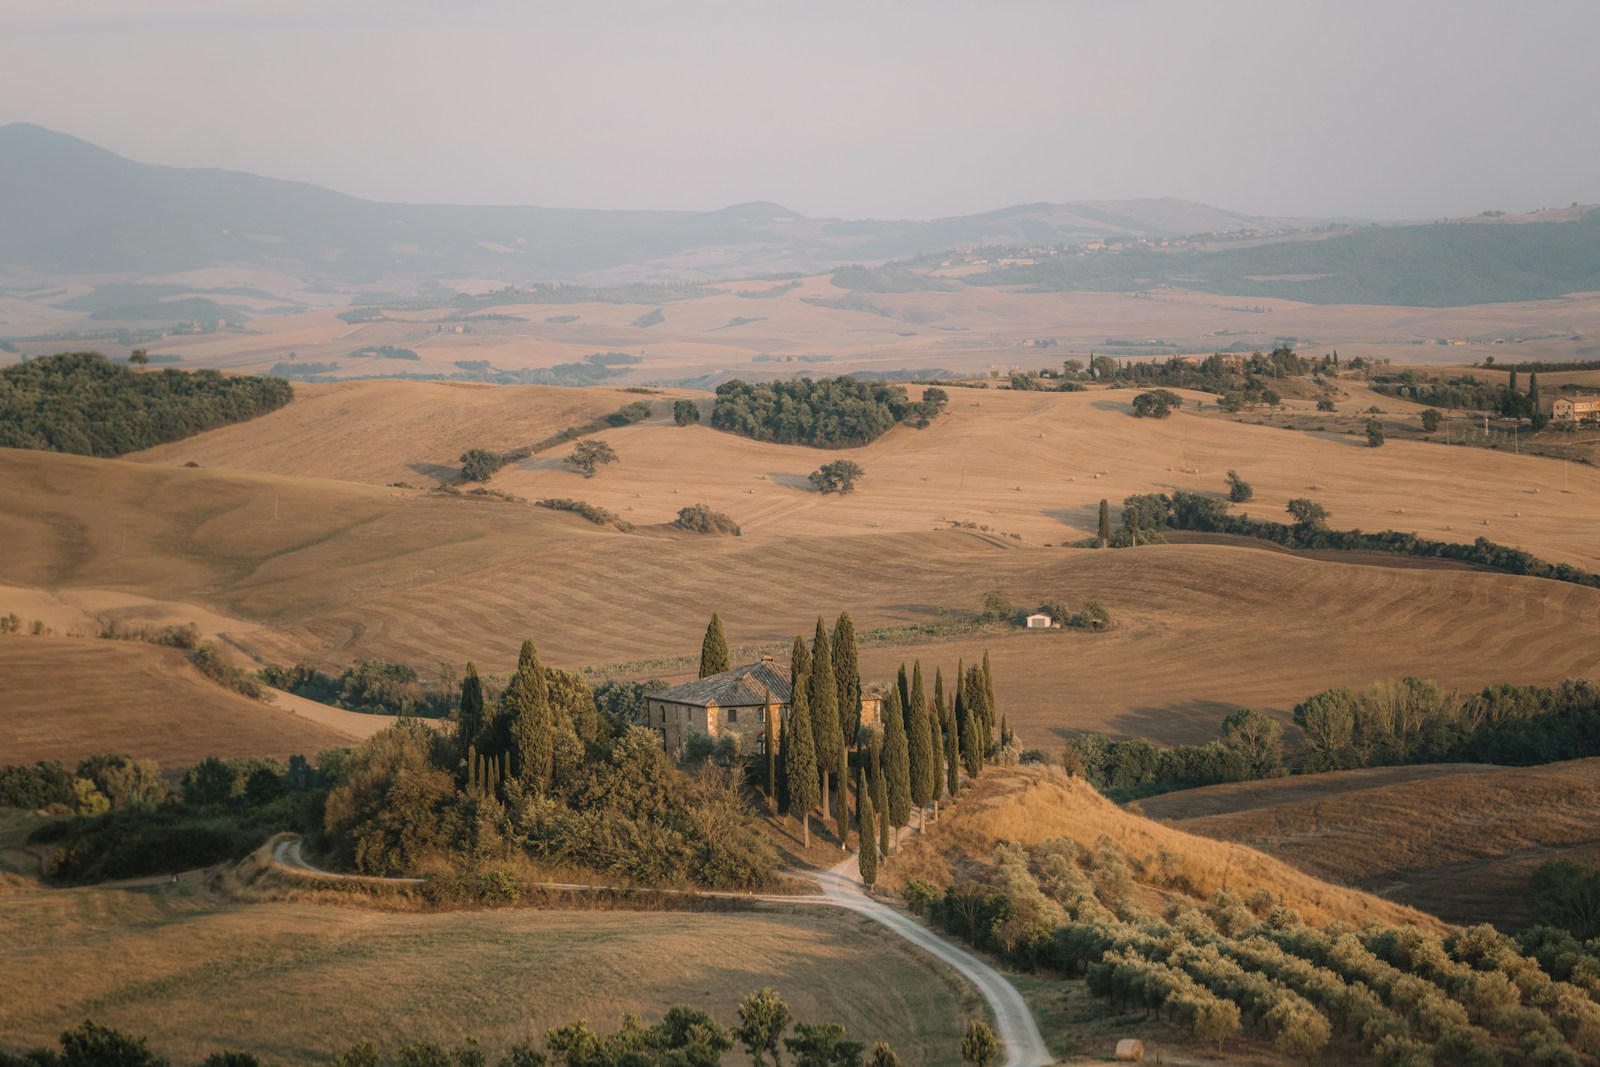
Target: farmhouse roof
(739, 687)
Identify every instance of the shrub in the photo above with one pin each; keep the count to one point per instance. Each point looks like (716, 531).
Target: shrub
(1375, 433)
(1325, 405)
(1156, 404)
(837, 477)
(699, 518)
(213, 661)
(1239, 490)
(1430, 420)
(593, 512)
(479, 464)
(685, 412)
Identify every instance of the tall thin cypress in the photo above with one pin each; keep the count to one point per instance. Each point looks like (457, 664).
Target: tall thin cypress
(1105, 522)
(866, 821)
(920, 743)
(799, 660)
(469, 718)
(969, 708)
(714, 658)
(936, 719)
(847, 675)
(770, 743)
(905, 692)
(841, 808)
(801, 761)
(823, 695)
(896, 763)
(989, 708)
(782, 793)
(531, 721)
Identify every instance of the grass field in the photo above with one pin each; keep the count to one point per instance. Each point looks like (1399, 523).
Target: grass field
(67, 698)
(291, 567)
(1457, 841)
(296, 982)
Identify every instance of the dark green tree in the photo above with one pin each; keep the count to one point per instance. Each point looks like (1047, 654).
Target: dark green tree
(990, 708)
(824, 699)
(979, 1046)
(470, 720)
(763, 1018)
(533, 733)
(800, 766)
(950, 742)
(896, 763)
(847, 674)
(903, 684)
(799, 659)
(479, 464)
(823, 1045)
(967, 723)
(1307, 513)
(1430, 420)
(781, 792)
(714, 658)
(1535, 405)
(840, 477)
(867, 824)
(769, 742)
(685, 412)
(1105, 522)
(589, 455)
(1239, 490)
(924, 776)
(1374, 433)
(1156, 404)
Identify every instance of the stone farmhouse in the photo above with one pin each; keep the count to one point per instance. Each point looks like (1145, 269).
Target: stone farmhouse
(734, 704)
(1574, 409)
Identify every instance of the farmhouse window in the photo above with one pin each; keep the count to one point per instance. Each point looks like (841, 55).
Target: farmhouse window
(733, 714)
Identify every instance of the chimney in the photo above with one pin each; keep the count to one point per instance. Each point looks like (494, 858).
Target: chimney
(766, 659)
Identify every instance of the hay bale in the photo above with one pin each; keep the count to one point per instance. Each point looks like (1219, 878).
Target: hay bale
(1130, 1050)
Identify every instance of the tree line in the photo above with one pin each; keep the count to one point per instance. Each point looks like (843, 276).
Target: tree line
(82, 403)
(685, 1037)
(826, 413)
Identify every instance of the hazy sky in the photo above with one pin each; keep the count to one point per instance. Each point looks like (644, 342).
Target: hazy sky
(867, 108)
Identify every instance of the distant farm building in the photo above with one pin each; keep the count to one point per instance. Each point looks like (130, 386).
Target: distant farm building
(734, 704)
(1039, 621)
(1574, 409)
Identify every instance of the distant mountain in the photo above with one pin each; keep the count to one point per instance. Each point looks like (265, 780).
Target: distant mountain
(69, 207)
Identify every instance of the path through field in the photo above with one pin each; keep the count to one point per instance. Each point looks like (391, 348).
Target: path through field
(1014, 1023)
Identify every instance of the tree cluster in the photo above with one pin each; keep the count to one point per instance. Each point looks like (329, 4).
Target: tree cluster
(828, 413)
(82, 403)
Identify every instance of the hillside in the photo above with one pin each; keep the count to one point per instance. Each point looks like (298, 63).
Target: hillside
(1459, 842)
(1028, 806)
(67, 698)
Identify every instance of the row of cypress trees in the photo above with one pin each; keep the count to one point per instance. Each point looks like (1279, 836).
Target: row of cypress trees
(913, 763)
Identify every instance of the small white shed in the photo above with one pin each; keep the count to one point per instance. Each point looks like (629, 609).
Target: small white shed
(1039, 621)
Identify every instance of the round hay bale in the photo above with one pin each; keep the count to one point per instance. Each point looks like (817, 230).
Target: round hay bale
(1130, 1050)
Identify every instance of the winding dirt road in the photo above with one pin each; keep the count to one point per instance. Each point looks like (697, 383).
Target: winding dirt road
(1014, 1023)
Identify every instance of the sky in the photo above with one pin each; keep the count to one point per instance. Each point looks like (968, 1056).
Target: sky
(871, 108)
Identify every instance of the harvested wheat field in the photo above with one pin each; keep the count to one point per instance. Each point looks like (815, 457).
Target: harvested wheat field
(335, 571)
(1032, 804)
(68, 698)
(1031, 464)
(1457, 841)
(295, 983)
(385, 431)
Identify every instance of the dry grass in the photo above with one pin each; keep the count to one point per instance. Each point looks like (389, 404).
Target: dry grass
(333, 571)
(1030, 805)
(1458, 841)
(66, 698)
(295, 982)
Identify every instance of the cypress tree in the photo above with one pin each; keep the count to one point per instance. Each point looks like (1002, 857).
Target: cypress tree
(896, 763)
(936, 719)
(969, 724)
(533, 736)
(782, 793)
(799, 660)
(714, 658)
(905, 692)
(472, 770)
(920, 743)
(800, 765)
(823, 697)
(469, 720)
(841, 809)
(847, 674)
(771, 745)
(883, 820)
(1105, 522)
(989, 707)
(952, 744)
(867, 851)
(1535, 408)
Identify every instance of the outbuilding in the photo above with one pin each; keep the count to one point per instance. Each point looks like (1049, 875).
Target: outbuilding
(1039, 621)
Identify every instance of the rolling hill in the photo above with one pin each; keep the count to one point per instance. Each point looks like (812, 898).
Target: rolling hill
(1459, 841)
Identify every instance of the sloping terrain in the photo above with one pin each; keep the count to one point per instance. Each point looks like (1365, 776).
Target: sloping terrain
(1460, 842)
(1028, 806)
(67, 698)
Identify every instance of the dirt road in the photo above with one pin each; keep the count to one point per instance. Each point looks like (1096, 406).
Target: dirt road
(1014, 1023)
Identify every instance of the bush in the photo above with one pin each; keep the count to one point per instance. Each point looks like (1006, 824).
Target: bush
(699, 518)
(593, 512)
(1430, 420)
(1375, 433)
(1325, 405)
(1239, 490)
(1156, 404)
(479, 464)
(837, 477)
(213, 661)
(685, 412)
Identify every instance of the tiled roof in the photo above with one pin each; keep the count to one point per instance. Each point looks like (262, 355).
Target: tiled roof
(739, 687)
